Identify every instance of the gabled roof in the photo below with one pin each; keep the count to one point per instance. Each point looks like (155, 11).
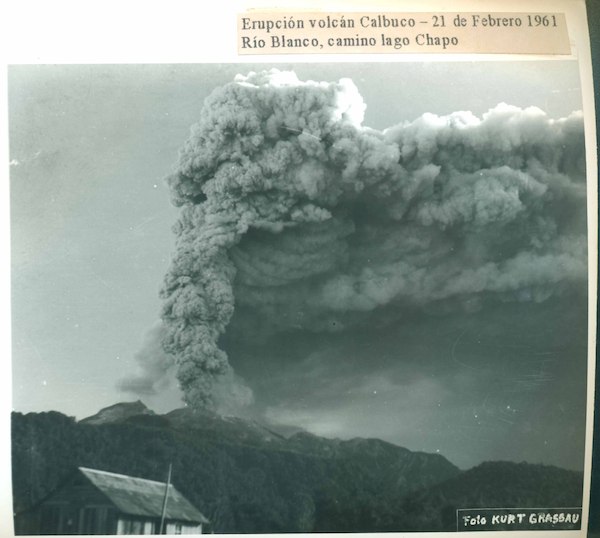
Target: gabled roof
(141, 497)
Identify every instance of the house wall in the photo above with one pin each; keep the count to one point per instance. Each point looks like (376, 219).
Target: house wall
(182, 528)
(76, 509)
(132, 525)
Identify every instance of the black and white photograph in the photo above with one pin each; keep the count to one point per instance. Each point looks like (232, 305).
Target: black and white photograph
(298, 297)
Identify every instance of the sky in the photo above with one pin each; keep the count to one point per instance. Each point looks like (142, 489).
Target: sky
(92, 241)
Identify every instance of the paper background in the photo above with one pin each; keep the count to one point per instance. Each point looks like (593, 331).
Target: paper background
(138, 32)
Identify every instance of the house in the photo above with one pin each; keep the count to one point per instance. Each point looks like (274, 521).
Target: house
(99, 502)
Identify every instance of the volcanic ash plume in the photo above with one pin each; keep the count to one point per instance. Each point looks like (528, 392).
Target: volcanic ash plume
(294, 217)
(154, 365)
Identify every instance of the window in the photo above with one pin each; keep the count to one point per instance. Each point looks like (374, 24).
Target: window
(131, 526)
(93, 520)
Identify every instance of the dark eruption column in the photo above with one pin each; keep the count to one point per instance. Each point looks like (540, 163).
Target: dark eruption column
(307, 221)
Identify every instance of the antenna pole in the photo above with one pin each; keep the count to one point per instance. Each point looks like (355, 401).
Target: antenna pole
(164, 506)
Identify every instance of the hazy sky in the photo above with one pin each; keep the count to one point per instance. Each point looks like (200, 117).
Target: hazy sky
(90, 147)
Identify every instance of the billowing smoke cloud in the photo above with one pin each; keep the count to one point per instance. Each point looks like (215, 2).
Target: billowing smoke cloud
(156, 368)
(156, 379)
(294, 217)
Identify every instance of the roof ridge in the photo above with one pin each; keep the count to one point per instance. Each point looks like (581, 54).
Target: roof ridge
(118, 475)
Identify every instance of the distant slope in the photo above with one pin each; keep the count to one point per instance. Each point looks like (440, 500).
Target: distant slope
(247, 478)
(497, 484)
(118, 412)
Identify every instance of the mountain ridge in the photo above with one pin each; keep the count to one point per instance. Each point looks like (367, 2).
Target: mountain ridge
(118, 411)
